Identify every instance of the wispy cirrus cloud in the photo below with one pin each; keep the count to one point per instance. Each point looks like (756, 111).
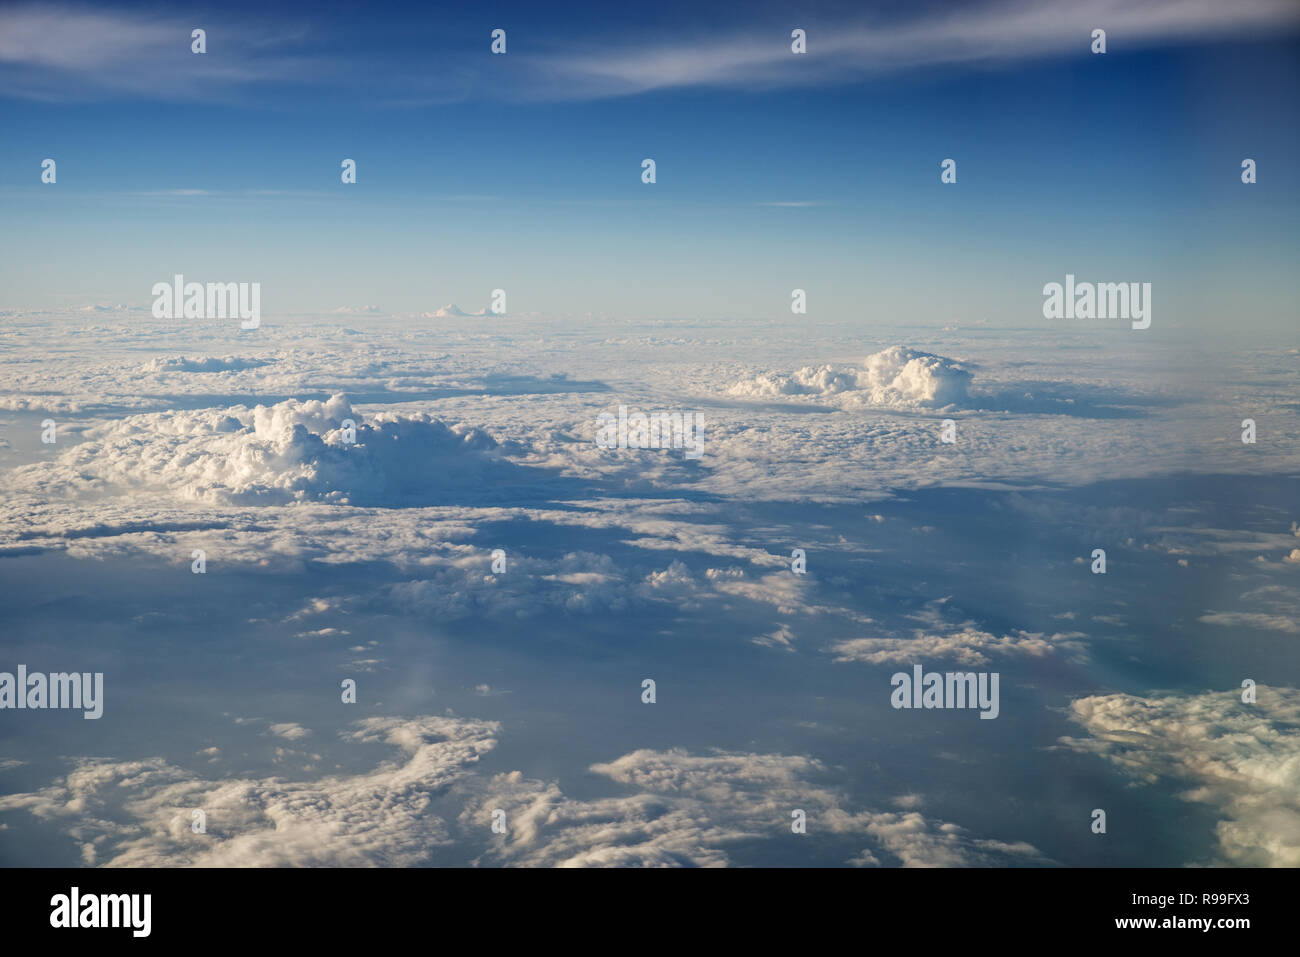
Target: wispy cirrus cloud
(66, 52)
(59, 52)
(842, 52)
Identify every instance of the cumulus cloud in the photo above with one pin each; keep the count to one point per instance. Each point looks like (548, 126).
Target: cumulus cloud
(966, 646)
(897, 377)
(138, 813)
(1243, 760)
(290, 730)
(678, 809)
(689, 809)
(271, 455)
(961, 643)
(453, 311)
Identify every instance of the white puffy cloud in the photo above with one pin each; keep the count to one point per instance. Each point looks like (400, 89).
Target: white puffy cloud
(964, 646)
(453, 311)
(290, 730)
(1241, 759)
(678, 809)
(896, 377)
(289, 452)
(961, 643)
(138, 813)
(687, 809)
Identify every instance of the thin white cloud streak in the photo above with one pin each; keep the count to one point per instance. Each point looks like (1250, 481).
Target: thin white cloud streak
(839, 53)
(63, 52)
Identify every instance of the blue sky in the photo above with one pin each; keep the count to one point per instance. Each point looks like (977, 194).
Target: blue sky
(774, 171)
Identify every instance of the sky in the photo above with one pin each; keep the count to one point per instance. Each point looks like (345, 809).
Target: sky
(774, 171)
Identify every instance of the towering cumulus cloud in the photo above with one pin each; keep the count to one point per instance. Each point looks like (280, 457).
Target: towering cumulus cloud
(896, 377)
(900, 376)
(291, 451)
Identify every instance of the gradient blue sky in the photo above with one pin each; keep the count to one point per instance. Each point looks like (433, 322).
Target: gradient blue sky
(774, 171)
